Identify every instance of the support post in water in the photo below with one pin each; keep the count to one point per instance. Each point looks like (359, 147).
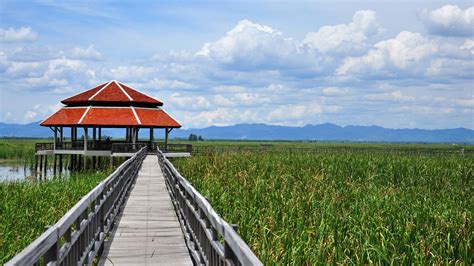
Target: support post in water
(45, 163)
(60, 163)
(54, 164)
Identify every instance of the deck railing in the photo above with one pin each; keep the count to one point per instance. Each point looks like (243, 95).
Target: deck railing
(127, 147)
(174, 147)
(79, 235)
(114, 146)
(210, 239)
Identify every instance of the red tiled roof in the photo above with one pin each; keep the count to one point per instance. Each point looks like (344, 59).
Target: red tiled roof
(83, 96)
(151, 117)
(112, 92)
(64, 117)
(138, 96)
(111, 116)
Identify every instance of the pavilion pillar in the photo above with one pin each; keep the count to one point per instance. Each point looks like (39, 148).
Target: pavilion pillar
(71, 162)
(61, 139)
(152, 136)
(94, 136)
(55, 138)
(85, 138)
(166, 138)
(133, 131)
(61, 135)
(85, 147)
(100, 141)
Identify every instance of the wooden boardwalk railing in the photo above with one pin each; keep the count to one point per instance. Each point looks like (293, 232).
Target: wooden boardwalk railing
(79, 235)
(210, 239)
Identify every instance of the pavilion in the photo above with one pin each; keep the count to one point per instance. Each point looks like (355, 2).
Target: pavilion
(108, 105)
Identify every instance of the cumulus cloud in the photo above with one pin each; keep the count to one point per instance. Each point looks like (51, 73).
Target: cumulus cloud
(406, 50)
(34, 54)
(251, 44)
(345, 38)
(17, 35)
(254, 74)
(449, 20)
(396, 96)
(335, 91)
(89, 53)
(468, 46)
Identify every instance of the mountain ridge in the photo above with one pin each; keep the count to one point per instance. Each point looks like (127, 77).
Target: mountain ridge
(261, 131)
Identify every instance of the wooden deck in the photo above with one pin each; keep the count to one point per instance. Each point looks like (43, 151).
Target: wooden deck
(148, 231)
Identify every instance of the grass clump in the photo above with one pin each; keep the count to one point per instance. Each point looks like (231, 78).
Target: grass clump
(27, 207)
(343, 207)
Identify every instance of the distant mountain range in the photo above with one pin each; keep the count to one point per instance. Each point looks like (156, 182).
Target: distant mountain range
(325, 132)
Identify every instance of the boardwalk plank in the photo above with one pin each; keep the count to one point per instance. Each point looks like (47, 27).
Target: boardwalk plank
(148, 231)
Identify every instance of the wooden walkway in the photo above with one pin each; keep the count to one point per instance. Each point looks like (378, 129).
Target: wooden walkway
(148, 231)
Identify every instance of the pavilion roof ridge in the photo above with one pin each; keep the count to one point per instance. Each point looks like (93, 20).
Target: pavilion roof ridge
(112, 92)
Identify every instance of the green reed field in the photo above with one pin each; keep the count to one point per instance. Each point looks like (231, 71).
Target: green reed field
(27, 207)
(309, 208)
(18, 149)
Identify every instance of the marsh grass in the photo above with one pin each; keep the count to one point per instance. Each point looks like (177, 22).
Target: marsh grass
(343, 207)
(27, 207)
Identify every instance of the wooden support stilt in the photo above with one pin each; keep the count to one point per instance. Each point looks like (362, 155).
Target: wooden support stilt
(60, 163)
(54, 164)
(45, 163)
(36, 163)
(41, 163)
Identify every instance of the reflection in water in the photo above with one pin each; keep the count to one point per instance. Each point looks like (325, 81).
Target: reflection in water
(11, 172)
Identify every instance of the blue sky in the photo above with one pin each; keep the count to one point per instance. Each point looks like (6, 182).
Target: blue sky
(397, 64)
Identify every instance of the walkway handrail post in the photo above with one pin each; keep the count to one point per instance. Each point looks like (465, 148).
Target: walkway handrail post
(84, 227)
(202, 226)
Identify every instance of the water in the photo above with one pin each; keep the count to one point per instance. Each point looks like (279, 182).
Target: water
(14, 171)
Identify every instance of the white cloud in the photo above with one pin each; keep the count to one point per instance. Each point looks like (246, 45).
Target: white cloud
(345, 38)
(17, 35)
(33, 53)
(335, 91)
(449, 20)
(468, 46)
(468, 103)
(185, 102)
(169, 84)
(30, 115)
(228, 89)
(406, 50)
(294, 112)
(251, 44)
(241, 99)
(130, 73)
(89, 53)
(397, 96)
